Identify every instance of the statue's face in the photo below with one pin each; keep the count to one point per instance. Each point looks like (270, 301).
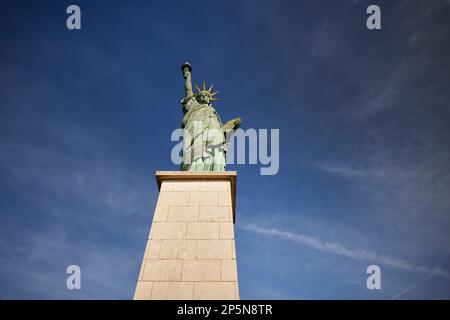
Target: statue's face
(203, 97)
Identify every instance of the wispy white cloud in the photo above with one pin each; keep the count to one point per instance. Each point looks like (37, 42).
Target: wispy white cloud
(341, 250)
(422, 280)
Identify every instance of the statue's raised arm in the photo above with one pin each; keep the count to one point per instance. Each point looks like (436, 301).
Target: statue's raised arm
(187, 68)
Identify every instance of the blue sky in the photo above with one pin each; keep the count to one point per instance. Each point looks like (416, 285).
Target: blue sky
(364, 178)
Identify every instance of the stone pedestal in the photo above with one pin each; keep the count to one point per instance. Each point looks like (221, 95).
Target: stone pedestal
(190, 251)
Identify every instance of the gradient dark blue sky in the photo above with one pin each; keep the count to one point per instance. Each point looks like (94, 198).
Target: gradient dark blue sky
(364, 178)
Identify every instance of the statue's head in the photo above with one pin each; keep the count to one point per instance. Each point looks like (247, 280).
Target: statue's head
(206, 96)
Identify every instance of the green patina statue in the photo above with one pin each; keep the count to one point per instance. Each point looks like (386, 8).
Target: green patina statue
(204, 135)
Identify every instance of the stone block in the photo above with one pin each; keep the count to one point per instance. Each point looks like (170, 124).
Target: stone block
(224, 199)
(228, 270)
(226, 230)
(215, 214)
(173, 291)
(182, 214)
(214, 291)
(201, 270)
(152, 249)
(214, 249)
(214, 186)
(168, 186)
(168, 230)
(162, 270)
(143, 290)
(178, 249)
(204, 198)
(141, 271)
(160, 214)
(202, 230)
(233, 249)
(173, 198)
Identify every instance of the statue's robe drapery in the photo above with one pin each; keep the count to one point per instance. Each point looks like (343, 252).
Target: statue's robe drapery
(204, 143)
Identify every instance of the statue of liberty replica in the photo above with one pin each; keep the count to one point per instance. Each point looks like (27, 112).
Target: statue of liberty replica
(204, 135)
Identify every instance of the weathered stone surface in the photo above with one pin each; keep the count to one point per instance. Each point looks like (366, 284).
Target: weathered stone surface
(143, 290)
(173, 198)
(228, 270)
(178, 249)
(190, 253)
(202, 178)
(160, 214)
(168, 230)
(162, 270)
(201, 270)
(173, 291)
(152, 249)
(214, 291)
(194, 185)
(202, 230)
(204, 198)
(215, 214)
(224, 199)
(183, 214)
(214, 249)
(226, 230)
